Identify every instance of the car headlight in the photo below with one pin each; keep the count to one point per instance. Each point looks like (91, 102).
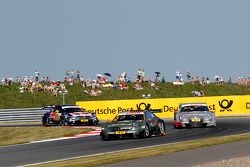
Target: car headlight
(72, 119)
(184, 119)
(136, 125)
(209, 118)
(107, 128)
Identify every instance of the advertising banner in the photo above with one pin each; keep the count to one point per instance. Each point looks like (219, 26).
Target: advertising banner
(165, 107)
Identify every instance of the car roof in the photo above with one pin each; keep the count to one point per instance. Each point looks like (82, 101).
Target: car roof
(70, 106)
(133, 112)
(192, 104)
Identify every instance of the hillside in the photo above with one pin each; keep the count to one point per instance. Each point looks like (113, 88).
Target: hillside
(10, 97)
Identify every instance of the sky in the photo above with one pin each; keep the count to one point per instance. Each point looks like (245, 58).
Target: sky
(204, 37)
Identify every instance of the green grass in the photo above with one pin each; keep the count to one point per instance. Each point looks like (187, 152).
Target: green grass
(20, 135)
(11, 98)
(108, 158)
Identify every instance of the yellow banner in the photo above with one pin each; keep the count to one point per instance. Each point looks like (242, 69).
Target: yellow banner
(221, 105)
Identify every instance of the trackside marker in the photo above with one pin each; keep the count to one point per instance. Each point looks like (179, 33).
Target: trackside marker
(96, 132)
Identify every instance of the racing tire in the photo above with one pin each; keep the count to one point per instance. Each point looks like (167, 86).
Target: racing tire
(146, 132)
(94, 123)
(63, 123)
(45, 122)
(162, 129)
(213, 126)
(203, 126)
(177, 127)
(105, 138)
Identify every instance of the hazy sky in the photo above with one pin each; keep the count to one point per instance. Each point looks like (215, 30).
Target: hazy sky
(205, 37)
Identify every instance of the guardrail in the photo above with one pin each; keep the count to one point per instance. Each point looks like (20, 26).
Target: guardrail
(21, 115)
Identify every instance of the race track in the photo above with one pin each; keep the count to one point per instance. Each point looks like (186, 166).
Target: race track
(47, 151)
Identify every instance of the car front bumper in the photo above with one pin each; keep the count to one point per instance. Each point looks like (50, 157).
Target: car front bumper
(123, 134)
(180, 124)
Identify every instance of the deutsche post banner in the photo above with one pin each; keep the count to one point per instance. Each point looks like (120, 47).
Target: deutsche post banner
(165, 107)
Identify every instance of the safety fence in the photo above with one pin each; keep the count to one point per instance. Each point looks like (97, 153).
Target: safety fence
(21, 115)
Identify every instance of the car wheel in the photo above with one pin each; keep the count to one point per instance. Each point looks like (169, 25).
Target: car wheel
(146, 131)
(177, 127)
(45, 122)
(203, 125)
(94, 123)
(213, 126)
(162, 130)
(65, 123)
(62, 123)
(105, 138)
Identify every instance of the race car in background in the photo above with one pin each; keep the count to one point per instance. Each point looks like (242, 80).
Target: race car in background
(79, 118)
(133, 124)
(194, 115)
(68, 115)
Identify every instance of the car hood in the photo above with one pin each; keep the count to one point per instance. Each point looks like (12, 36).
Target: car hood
(125, 123)
(79, 114)
(196, 114)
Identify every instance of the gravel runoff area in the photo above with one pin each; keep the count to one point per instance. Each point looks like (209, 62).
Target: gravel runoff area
(236, 154)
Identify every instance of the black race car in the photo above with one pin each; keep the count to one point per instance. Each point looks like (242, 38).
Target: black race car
(68, 115)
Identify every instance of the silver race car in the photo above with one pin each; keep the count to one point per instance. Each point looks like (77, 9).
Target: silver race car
(194, 115)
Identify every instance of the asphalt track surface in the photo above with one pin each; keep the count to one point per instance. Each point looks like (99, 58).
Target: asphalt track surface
(54, 150)
(198, 156)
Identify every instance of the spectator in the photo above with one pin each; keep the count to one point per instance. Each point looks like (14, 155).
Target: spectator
(43, 79)
(153, 86)
(178, 75)
(37, 75)
(163, 80)
(188, 76)
(229, 81)
(78, 75)
(138, 85)
(207, 80)
(67, 73)
(198, 93)
(124, 77)
(139, 74)
(123, 86)
(18, 80)
(143, 76)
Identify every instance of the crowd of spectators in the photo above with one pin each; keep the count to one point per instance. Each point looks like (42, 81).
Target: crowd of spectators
(243, 81)
(93, 87)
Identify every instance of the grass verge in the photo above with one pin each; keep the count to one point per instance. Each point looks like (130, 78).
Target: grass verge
(20, 135)
(119, 156)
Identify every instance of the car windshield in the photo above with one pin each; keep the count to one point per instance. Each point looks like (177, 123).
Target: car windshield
(71, 110)
(194, 108)
(134, 117)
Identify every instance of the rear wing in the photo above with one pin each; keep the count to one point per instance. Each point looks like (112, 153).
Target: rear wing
(48, 107)
(186, 104)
